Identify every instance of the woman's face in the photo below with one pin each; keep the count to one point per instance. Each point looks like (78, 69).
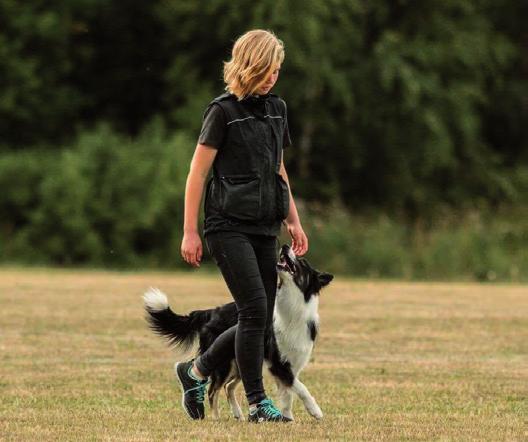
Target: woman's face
(269, 82)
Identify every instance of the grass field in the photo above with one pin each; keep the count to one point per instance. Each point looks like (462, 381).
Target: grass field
(394, 361)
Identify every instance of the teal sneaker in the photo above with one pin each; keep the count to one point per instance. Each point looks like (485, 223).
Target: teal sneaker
(193, 390)
(266, 411)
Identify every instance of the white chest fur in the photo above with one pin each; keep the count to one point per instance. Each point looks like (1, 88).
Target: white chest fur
(291, 318)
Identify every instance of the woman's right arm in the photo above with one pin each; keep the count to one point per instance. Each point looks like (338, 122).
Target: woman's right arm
(191, 247)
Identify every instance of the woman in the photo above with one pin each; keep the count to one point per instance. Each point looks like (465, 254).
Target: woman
(247, 198)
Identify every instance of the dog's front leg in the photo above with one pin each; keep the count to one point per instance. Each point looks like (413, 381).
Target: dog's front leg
(309, 402)
(285, 399)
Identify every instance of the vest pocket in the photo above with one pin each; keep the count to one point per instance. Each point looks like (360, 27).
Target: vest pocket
(240, 196)
(282, 197)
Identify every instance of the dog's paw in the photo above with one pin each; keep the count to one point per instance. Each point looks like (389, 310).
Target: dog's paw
(288, 414)
(237, 412)
(315, 411)
(239, 417)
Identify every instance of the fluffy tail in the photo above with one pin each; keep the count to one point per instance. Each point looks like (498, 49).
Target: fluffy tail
(180, 331)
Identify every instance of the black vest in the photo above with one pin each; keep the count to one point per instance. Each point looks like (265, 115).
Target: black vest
(246, 192)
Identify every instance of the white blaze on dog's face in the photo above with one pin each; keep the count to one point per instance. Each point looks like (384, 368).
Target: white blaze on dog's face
(298, 272)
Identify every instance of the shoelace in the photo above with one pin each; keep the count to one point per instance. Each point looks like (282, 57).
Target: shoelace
(266, 405)
(200, 390)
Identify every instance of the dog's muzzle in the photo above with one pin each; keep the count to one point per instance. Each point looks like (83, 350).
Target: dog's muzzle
(286, 263)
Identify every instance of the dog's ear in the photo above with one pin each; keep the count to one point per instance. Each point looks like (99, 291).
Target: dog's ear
(324, 278)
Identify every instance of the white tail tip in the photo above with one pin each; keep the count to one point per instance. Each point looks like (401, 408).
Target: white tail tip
(155, 300)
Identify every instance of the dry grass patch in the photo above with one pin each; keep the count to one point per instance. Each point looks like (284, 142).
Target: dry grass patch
(395, 361)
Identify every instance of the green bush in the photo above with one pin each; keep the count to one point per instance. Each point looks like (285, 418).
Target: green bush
(470, 246)
(356, 245)
(21, 174)
(107, 200)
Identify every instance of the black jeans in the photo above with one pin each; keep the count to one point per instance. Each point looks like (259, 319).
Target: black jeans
(248, 265)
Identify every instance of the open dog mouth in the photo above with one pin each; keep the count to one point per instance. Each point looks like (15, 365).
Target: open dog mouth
(285, 264)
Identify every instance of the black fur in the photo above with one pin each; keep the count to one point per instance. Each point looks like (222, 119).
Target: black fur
(312, 330)
(179, 330)
(278, 367)
(309, 280)
(221, 318)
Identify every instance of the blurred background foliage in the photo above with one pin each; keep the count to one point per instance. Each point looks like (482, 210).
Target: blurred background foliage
(408, 120)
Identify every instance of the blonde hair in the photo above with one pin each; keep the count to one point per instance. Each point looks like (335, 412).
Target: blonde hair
(255, 55)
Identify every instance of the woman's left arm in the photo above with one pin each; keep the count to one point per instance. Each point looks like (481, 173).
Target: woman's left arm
(292, 221)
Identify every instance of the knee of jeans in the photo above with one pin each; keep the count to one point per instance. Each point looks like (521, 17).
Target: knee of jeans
(254, 312)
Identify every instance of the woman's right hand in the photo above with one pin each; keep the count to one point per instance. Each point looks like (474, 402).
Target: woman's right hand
(191, 248)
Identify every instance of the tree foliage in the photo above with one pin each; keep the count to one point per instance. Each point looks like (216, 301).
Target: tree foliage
(402, 107)
(400, 104)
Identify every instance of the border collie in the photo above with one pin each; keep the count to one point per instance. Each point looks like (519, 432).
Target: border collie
(288, 345)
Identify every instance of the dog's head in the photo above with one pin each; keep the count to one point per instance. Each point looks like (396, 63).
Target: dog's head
(298, 271)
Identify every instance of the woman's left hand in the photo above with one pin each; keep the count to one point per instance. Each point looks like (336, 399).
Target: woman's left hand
(299, 239)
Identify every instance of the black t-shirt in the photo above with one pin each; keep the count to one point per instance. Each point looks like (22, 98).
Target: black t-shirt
(214, 127)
